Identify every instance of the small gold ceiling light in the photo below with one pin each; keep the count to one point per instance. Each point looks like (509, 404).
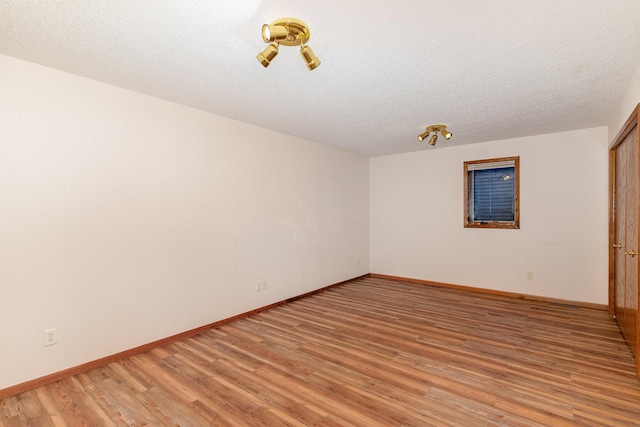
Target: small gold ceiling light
(287, 32)
(435, 129)
(268, 54)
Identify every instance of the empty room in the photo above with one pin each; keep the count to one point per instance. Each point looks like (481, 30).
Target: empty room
(279, 213)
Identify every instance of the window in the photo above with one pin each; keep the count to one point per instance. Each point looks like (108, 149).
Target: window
(491, 189)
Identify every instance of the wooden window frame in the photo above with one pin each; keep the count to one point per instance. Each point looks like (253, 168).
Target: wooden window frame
(512, 225)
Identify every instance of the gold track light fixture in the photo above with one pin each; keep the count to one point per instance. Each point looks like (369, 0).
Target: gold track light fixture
(434, 129)
(287, 32)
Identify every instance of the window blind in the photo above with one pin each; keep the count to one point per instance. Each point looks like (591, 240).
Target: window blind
(493, 191)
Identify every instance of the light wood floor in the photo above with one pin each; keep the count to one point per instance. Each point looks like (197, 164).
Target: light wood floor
(371, 352)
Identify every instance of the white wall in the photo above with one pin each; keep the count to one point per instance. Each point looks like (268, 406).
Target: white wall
(629, 101)
(417, 218)
(125, 219)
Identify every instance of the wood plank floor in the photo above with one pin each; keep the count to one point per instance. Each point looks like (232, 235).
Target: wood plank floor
(371, 352)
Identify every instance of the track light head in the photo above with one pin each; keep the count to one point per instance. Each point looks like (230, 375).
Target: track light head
(309, 57)
(433, 139)
(287, 32)
(267, 55)
(272, 33)
(446, 134)
(423, 135)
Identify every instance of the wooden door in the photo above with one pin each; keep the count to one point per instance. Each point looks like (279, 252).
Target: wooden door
(619, 239)
(631, 241)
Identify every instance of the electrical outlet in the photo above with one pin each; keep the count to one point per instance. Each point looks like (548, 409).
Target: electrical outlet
(529, 275)
(50, 336)
(258, 286)
(264, 285)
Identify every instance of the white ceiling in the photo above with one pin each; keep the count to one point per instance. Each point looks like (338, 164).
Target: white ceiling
(489, 69)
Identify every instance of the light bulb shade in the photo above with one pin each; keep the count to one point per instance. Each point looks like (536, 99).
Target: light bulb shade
(266, 56)
(446, 134)
(274, 33)
(423, 135)
(433, 139)
(310, 59)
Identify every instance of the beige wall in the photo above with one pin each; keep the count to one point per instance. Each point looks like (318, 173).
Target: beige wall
(417, 218)
(125, 219)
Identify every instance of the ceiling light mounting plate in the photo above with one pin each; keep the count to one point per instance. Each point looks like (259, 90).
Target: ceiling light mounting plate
(435, 128)
(298, 31)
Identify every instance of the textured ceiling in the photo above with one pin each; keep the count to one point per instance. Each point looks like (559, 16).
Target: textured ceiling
(489, 69)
